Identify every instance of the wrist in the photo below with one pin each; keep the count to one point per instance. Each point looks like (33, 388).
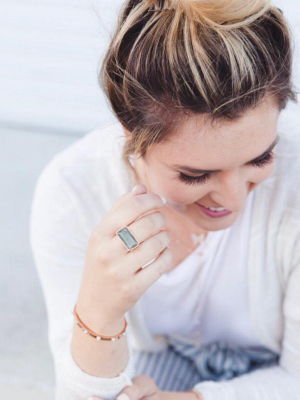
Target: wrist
(97, 321)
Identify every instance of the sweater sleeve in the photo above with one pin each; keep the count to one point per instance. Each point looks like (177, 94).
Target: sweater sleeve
(278, 382)
(58, 240)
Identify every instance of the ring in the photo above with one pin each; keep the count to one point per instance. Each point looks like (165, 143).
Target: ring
(127, 238)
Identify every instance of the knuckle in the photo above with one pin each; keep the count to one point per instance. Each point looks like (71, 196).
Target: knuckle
(162, 218)
(150, 223)
(136, 202)
(158, 241)
(153, 199)
(103, 255)
(142, 203)
(126, 292)
(114, 274)
(159, 219)
(104, 259)
(128, 206)
(165, 237)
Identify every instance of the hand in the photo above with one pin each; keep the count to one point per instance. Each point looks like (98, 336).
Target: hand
(113, 278)
(143, 387)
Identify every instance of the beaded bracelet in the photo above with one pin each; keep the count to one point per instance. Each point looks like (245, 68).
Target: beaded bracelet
(86, 330)
(197, 394)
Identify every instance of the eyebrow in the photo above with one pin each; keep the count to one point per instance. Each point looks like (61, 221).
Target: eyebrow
(203, 171)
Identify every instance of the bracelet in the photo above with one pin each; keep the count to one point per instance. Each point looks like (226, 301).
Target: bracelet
(197, 394)
(96, 335)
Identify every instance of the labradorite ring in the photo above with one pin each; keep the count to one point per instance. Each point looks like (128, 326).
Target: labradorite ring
(127, 238)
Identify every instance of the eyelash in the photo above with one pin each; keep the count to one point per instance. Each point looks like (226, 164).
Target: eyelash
(203, 178)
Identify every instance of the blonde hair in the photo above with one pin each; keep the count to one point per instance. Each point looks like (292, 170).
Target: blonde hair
(172, 59)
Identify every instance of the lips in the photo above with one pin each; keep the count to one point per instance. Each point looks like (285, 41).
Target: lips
(214, 214)
(214, 207)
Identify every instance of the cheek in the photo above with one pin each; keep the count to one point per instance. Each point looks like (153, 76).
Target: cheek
(182, 194)
(260, 174)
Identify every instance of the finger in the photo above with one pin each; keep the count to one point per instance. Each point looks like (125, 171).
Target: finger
(135, 192)
(142, 229)
(147, 225)
(143, 386)
(146, 252)
(147, 276)
(130, 210)
(122, 199)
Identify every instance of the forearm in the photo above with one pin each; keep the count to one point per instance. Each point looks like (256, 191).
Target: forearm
(104, 358)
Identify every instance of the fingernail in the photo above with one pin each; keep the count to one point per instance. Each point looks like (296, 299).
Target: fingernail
(139, 189)
(163, 200)
(123, 396)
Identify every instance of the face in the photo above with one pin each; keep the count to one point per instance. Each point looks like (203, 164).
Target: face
(241, 154)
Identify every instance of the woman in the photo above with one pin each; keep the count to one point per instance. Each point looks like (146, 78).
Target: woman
(202, 258)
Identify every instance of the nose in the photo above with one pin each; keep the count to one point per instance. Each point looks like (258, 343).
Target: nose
(232, 191)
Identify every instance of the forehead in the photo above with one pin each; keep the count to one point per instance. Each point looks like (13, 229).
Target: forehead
(197, 143)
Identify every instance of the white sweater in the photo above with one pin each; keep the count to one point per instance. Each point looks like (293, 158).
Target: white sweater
(80, 185)
(207, 291)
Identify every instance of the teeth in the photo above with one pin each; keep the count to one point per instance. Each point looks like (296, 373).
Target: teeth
(217, 208)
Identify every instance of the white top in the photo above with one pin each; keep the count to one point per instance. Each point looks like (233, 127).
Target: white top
(208, 289)
(80, 185)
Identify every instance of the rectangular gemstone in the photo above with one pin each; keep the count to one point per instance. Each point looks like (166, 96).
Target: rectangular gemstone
(127, 238)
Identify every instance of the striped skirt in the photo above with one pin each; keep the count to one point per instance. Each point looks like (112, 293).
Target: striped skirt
(182, 364)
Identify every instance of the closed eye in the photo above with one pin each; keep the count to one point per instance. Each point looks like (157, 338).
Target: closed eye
(263, 161)
(193, 180)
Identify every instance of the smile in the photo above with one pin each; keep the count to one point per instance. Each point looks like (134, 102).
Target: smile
(214, 212)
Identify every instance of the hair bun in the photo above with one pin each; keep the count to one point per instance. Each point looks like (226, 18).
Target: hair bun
(216, 12)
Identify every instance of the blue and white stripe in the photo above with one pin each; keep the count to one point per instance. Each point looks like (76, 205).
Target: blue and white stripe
(183, 364)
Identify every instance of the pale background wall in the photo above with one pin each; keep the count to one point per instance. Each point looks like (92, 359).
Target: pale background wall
(50, 54)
